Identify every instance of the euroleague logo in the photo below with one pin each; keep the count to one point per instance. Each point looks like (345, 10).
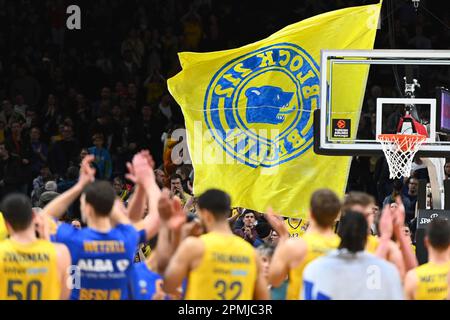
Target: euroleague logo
(341, 124)
(259, 106)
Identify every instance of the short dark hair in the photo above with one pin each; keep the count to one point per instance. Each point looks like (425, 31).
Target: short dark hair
(325, 206)
(72, 173)
(175, 176)
(357, 198)
(353, 231)
(101, 196)
(217, 202)
(263, 229)
(17, 211)
(438, 233)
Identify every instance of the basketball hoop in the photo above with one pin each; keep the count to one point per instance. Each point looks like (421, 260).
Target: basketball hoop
(399, 150)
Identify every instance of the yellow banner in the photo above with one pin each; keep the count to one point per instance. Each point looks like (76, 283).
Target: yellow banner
(249, 111)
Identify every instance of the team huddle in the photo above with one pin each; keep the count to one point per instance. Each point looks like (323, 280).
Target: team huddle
(198, 257)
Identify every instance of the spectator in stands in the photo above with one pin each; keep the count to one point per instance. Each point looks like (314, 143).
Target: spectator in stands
(120, 189)
(52, 116)
(27, 87)
(8, 115)
(397, 190)
(64, 153)
(248, 231)
(102, 157)
(69, 180)
(447, 169)
(11, 178)
(409, 199)
(39, 151)
(150, 131)
(176, 188)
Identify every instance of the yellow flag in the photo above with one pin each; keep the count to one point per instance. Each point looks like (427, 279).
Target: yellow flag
(249, 111)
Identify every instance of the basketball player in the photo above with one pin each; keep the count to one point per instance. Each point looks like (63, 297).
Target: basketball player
(218, 264)
(103, 252)
(292, 255)
(30, 268)
(385, 248)
(344, 274)
(429, 281)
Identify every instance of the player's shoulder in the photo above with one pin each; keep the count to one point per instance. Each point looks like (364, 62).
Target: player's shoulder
(295, 244)
(193, 243)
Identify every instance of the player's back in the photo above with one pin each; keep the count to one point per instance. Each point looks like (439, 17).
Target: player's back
(103, 260)
(29, 271)
(227, 270)
(432, 281)
(317, 246)
(144, 282)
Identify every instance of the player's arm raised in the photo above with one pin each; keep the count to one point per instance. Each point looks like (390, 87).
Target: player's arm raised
(60, 204)
(141, 173)
(261, 287)
(408, 256)
(172, 217)
(288, 254)
(185, 258)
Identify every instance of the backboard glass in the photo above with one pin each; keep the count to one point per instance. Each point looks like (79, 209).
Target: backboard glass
(343, 131)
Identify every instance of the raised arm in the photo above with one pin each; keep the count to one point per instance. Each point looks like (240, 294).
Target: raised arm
(261, 287)
(386, 231)
(409, 258)
(277, 224)
(172, 218)
(189, 251)
(288, 254)
(141, 173)
(60, 204)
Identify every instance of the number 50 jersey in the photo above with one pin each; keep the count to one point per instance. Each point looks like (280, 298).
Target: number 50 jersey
(28, 271)
(227, 270)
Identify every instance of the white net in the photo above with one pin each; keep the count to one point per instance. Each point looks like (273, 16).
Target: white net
(399, 150)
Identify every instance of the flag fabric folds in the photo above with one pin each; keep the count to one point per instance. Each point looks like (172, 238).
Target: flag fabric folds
(249, 111)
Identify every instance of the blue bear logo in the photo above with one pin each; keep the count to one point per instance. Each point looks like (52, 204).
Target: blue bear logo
(267, 104)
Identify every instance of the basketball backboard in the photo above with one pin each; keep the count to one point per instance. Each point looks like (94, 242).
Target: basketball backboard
(344, 130)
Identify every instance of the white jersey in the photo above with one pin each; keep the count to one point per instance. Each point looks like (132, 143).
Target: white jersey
(341, 275)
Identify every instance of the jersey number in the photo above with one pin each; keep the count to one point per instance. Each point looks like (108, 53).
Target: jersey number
(222, 287)
(33, 290)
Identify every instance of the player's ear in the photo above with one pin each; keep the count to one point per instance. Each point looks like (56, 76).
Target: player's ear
(426, 242)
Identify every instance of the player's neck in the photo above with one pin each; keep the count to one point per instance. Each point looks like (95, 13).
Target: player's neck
(314, 227)
(26, 236)
(101, 224)
(438, 257)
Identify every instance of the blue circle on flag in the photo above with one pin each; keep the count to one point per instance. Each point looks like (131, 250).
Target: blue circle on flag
(259, 106)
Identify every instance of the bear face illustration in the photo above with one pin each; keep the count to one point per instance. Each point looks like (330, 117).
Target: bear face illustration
(267, 104)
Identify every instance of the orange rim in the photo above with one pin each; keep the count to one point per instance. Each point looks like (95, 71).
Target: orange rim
(399, 138)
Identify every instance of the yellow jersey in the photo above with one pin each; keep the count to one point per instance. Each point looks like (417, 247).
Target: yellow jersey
(227, 270)
(432, 281)
(296, 227)
(29, 271)
(317, 245)
(372, 243)
(3, 230)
